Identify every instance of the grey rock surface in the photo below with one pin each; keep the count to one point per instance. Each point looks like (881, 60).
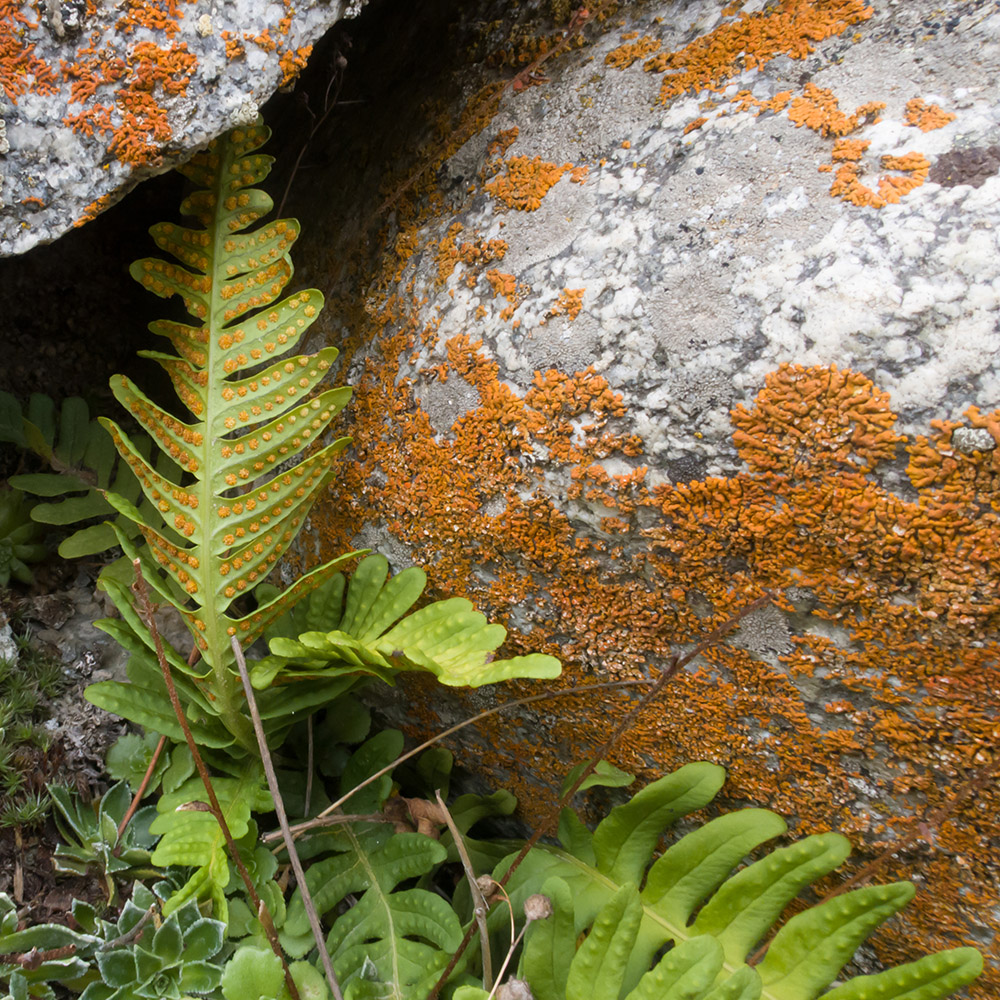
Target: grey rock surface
(95, 97)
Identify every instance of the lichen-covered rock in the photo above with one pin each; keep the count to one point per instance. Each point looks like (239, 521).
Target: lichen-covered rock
(701, 303)
(94, 97)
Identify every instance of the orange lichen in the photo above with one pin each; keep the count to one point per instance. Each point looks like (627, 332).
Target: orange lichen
(809, 420)
(847, 185)
(926, 117)
(472, 253)
(695, 124)
(502, 141)
(20, 68)
(94, 209)
(234, 47)
(850, 149)
(157, 15)
(293, 62)
(525, 182)
(789, 28)
(625, 55)
(136, 121)
(569, 303)
(819, 110)
(263, 40)
(903, 584)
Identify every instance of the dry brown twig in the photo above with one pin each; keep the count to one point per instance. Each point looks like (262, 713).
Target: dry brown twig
(145, 609)
(279, 808)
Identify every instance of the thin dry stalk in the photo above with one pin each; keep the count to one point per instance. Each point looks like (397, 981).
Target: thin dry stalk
(137, 798)
(279, 808)
(145, 608)
(309, 767)
(323, 819)
(479, 907)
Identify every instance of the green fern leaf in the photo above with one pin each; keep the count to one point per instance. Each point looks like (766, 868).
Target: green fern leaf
(224, 521)
(594, 886)
(930, 978)
(809, 951)
(371, 633)
(396, 937)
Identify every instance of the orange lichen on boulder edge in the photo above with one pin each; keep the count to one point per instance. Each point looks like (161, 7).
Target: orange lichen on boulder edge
(524, 182)
(926, 117)
(790, 28)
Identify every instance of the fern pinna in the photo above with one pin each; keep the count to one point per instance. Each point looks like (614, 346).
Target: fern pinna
(226, 527)
(607, 883)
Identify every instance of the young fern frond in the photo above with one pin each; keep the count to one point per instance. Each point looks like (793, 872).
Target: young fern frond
(594, 884)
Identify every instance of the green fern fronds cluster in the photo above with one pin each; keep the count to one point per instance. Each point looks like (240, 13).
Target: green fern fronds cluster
(83, 464)
(607, 884)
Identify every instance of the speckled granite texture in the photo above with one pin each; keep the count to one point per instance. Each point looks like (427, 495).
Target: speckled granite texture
(96, 96)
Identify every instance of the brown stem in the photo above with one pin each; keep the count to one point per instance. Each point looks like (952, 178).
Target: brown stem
(145, 609)
(137, 798)
(279, 808)
(581, 689)
(675, 664)
(309, 767)
(479, 907)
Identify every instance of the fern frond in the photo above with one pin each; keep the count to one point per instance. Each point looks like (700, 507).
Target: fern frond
(84, 464)
(236, 506)
(365, 629)
(392, 938)
(594, 885)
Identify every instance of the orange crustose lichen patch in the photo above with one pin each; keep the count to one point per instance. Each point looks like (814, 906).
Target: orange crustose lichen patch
(625, 55)
(904, 590)
(819, 110)
(524, 182)
(926, 117)
(789, 28)
(569, 303)
(695, 124)
(135, 120)
(19, 66)
(292, 63)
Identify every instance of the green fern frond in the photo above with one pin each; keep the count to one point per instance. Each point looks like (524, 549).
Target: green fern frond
(362, 627)
(84, 464)
(595, 885)
(224, 528)
(392, 939)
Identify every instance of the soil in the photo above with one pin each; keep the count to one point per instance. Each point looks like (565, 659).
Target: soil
(60, 624)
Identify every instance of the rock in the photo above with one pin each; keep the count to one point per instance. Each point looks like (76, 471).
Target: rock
(675, 316)
(651, 312)
(95, 98)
